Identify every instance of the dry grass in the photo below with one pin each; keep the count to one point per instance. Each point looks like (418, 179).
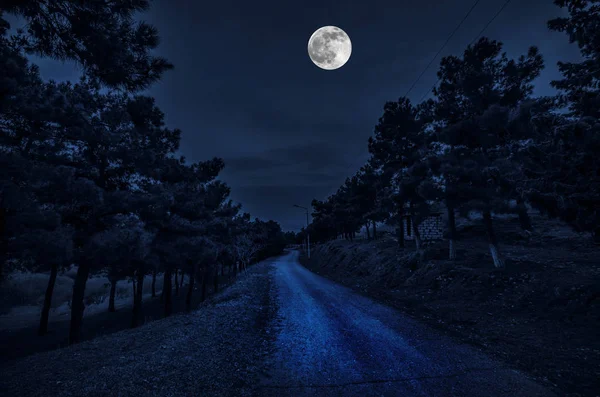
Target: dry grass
(22, 296)
(540, 314)
(215, 351)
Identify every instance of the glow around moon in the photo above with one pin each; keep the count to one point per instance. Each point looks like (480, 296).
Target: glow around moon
(329, 47)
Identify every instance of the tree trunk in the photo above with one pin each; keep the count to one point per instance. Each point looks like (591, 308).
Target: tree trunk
(162, 291)
(400, 230)
(154, 283)
(524, 219)
(374, 230)
(367, 227)
(77, 304)
(216, 280)
(167, 287)
(133, 286)
(111, 298)
(176, 283)
(133, 311)
(3, 239)
(188, 298)
(138, 314)
(140, 298)
(204, 283)
(167, 280)
(140, 285)
(400, 235)
(451, 232)
(48, 300)
(417, 234)
(3, 236)
(493, 242)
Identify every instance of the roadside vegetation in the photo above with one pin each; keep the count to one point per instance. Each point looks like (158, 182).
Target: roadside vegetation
(483, 143)
(91, 178)
(518, 179)
(539, 314)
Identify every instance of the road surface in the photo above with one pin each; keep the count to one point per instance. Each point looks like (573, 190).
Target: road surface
(332, 342)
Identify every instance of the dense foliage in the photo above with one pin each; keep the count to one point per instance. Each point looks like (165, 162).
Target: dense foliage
(484, 144)
(88, 170)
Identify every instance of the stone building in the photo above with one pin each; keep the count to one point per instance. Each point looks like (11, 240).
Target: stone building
(431, 228)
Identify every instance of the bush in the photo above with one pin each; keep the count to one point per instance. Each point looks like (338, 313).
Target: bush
(28, 289)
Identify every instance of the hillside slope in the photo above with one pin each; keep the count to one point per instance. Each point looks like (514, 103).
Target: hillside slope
(215, 350)
(540, 314)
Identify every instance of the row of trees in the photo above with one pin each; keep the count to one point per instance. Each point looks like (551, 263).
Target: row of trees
(89, 173)
(484, 143)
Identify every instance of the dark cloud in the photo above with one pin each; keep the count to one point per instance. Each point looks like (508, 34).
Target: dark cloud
(281, 200)
(253, 164)
(289, 131)
(289, 175)
(314, 155)
(315, 164)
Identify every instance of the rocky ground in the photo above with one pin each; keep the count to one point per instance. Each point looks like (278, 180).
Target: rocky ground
(541, 314)
(331, 341)
(216, 350)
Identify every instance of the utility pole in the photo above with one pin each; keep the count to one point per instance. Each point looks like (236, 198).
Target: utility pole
(307, 234)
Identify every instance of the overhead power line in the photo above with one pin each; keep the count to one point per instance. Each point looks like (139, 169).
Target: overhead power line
(471, 43)
(433, 59)
(443, 46)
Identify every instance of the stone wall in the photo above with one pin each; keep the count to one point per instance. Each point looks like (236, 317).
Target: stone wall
(432, 228)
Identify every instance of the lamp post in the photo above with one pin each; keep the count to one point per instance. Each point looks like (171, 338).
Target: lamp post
(307, 235)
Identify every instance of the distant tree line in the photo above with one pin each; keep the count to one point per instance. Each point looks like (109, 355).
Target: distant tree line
(484, 143)
(89, 173)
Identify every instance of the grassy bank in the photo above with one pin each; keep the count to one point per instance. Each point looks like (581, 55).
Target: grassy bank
(216, 350)
(540, 314)
(23, 297)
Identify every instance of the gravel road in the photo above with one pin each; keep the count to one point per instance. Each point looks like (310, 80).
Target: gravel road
(279, 330)
(331, 341)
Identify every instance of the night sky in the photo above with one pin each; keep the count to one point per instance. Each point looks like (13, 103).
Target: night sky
(244, 88)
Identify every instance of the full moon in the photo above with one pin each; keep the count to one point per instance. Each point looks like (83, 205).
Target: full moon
(329, 47)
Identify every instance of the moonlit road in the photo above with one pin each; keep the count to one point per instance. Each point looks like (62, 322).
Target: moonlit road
(331, 341)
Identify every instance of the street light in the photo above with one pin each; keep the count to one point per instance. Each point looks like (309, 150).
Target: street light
(307, 235)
